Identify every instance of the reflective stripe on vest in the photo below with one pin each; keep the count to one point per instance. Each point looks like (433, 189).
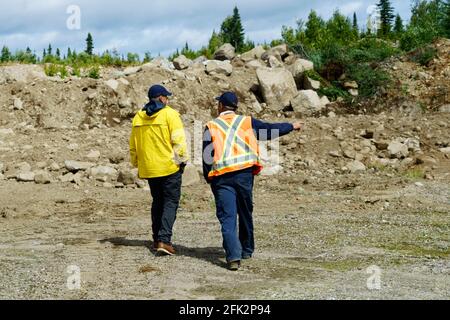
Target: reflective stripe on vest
(229, 137)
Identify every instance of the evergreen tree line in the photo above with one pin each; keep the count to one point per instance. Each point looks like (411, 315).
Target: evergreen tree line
(316, 38)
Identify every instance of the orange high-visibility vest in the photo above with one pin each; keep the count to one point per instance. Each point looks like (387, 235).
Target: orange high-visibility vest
(235, 145)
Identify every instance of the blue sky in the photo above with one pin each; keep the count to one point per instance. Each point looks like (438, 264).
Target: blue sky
(158, 26)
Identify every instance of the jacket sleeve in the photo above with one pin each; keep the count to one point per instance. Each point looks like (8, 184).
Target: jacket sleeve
(270, 131)
(207, 154)
(133, 151)
(178, 138)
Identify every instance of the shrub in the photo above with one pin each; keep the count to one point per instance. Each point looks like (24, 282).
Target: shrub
(424, 56)
(369, 79)
(51, 70)
(94, 72)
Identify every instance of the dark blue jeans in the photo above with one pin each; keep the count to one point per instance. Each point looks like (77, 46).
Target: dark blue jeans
(234, 198)
(166, 193)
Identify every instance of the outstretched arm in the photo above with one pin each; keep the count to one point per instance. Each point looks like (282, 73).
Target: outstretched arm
(268, 131)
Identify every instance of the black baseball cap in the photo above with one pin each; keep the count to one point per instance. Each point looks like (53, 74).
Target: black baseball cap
(157, 91)
(229, 99)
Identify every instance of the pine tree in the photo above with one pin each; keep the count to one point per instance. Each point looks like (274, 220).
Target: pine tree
(147, 57)
(44, 53)
(89, 45)
(49, 50)
(6, 54)
(446, 20)
(58, 53)
(386, 16)
(314, 27)
(398, 27)
(355, 22)
(232, 31)
(69, 53)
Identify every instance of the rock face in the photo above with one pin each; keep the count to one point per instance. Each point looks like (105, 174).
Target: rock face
(225, 52)
(190, 176)
(307, 102)
(277, 87)
(219, 67)
(182, 63)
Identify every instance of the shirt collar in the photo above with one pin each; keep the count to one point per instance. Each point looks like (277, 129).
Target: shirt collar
(226, 113)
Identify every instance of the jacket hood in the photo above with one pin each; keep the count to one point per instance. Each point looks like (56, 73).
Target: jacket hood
(142, 119)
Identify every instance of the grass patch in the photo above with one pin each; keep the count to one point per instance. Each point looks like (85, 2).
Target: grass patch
(416, 250)
(414, 174)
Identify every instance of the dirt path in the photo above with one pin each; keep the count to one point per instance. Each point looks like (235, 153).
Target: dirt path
(310, 244)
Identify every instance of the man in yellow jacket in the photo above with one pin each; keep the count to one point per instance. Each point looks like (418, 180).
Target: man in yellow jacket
(158, 149)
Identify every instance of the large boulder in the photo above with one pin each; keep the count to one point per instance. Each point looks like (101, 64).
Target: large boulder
(280, 52)
(277, 87)
(219, 67)
(254, 54)
(299, 67)
(225, 52)
(201, 59)
(182, 63)
(159, 62)
(307, 102)
(254, 64)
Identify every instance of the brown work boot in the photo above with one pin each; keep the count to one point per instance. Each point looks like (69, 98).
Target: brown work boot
(165, 249)
(234, 265)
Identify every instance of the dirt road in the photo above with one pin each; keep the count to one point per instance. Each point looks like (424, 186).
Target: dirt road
(313, 242)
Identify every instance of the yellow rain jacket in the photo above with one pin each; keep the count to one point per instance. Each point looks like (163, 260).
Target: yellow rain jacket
(158, 143)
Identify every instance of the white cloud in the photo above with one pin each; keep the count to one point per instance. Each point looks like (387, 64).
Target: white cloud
(157, 25)
(351, 7)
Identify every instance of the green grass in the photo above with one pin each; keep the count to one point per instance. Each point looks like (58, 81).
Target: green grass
(414, 174)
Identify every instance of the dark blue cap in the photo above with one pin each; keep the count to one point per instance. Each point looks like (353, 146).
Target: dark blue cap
(157, 91)
(229, 99)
